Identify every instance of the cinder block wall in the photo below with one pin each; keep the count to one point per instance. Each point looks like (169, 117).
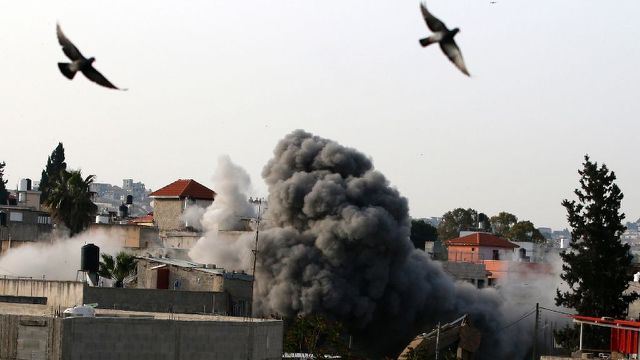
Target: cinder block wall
(157, 300)
(151, 339)
(61, 294)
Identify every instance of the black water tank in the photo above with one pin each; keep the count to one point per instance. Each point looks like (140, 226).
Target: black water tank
(90, 258)
(123, 211)
(129, 199)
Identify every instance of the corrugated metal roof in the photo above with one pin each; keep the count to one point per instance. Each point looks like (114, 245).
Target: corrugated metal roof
(200, 267)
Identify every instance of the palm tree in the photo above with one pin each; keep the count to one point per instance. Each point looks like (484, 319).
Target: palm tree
(69, 200)
(118, 268)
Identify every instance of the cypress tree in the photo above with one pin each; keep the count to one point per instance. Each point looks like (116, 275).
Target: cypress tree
(55, 165)
(596, 264)
(4, 194)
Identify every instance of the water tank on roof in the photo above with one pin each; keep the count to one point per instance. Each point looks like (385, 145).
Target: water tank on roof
(25, 185)
(123, 211)
(90, 258)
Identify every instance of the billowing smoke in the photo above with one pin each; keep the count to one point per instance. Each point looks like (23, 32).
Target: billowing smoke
(223, 244)
(56, 260)
(339, 246)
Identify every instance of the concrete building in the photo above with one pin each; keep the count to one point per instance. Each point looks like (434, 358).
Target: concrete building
(132, 236)
(170, 202)
(28, 332)
(25, 221)
(182, 275)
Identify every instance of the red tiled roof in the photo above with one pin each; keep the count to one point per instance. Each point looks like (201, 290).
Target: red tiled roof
(481, 239)
(185, 188)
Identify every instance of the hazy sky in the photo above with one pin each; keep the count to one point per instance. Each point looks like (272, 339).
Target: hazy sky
(552, 80)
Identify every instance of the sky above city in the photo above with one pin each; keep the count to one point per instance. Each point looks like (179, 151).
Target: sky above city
(551, 81)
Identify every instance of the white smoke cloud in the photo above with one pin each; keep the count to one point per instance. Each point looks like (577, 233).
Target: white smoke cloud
(225, 243)
(58, 259)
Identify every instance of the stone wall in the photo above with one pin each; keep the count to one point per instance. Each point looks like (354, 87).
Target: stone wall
(167, 212)
(62, 294)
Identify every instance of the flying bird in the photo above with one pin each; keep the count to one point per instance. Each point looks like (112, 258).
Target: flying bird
(443, 36)
(79, 63)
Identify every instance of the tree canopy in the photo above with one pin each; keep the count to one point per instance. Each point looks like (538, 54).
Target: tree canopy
(596, 264)
(55, 165)
(118, 268)
(421, 232)
(502, 223)
(70, 201)
(458, 220)
(4, 194)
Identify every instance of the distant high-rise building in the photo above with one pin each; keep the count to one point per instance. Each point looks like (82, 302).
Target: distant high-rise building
(127, 184)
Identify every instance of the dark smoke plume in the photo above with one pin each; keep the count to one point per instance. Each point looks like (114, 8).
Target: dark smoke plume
(339, 245)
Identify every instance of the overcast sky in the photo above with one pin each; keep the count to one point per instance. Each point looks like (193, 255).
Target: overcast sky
(552, 80)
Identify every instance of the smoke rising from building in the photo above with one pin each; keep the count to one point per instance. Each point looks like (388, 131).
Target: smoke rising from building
(339, 245)
(56, 260)
(229, 212)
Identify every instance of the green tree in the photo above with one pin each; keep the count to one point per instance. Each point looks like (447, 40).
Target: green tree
(118, 268)
(55, 165)
(421, 232)
(4, 194)
(502, 223)
(316, 335)
(70, 202)
(595, 266)
(460, 219)
(525, 231)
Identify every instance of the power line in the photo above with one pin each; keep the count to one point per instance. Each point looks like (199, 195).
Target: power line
(555, 311)
(517, 321)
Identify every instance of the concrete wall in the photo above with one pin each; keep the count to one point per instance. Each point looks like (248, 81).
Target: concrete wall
(136, 338)
(30, 337)
(61, 294)
(157, 300)
(474, 273)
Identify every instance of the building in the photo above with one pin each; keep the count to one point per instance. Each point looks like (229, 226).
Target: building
(170, 202)
(479, 247)
(498, 256)
(23, 220)
(34, 332)
(183, 275)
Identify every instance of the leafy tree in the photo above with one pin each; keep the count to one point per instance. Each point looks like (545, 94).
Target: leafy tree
(70, 202)
(421, 232)
(525, 231)
(595, 266)
(316, 335)
(55, 165)
(118, 268)
(460, 219)
(4, 194)
(502, 223)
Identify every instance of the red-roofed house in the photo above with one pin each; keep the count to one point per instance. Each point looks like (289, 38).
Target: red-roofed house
(479, 246)
(170, 202)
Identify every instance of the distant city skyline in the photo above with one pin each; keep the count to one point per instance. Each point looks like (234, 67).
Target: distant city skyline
(550, 83)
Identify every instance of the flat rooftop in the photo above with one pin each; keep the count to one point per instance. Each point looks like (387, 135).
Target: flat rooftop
(44, 310)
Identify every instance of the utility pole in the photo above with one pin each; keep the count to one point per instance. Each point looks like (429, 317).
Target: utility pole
(437, 340)
(255, 248)
(534, 355)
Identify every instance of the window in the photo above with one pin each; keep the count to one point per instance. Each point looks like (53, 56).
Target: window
(480, 284)
(15, 216)
(496, 254)
(523, 253)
